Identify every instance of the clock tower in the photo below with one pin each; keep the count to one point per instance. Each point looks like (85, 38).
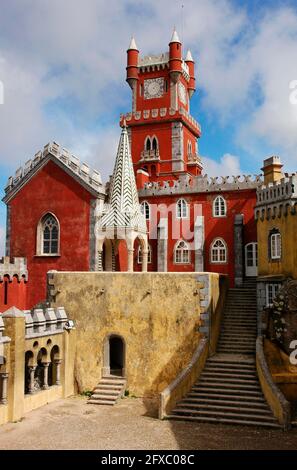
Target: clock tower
(163, 134)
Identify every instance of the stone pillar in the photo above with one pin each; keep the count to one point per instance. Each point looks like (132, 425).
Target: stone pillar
(238, 250)
(45, 375)
(162, 245)
(4, 380)
(58, 371)
(199, 243)
(32, 370)
(130, 260)
(144, 260)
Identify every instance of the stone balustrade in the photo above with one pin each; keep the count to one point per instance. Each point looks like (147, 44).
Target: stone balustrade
(43, 322)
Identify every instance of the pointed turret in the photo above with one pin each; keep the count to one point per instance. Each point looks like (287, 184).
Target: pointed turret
(191, 64)
(123, 203)
(175, 57)
(132, 63)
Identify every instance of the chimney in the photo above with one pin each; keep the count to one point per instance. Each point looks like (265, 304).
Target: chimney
(272, 169)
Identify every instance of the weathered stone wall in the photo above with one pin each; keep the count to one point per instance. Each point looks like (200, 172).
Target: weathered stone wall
(157, 315)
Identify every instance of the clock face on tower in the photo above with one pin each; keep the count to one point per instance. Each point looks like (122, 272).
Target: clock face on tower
(153, 88)
(182, 93)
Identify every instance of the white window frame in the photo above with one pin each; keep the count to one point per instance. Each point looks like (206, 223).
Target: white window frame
(271, 291)
(220, 204)
(149, 254)
(182, 255)
(145, 210)
(218, 250)
(276, 245)
(182, 209)
(190, 150)
(40, 236)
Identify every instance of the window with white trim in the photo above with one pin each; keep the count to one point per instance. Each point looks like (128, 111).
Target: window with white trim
(271, 292)
(145, 210)
(181, 209)
(219, 207)
(218, 251)
(275, 245)
(189, 148)
(181, 253)
(149, 255)
(48, 235)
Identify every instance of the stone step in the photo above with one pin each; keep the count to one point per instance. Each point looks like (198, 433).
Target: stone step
(226, 386)
(227, 370)
(224, 374)
(221, 407)
(223, 414)
(220, 397)
(224, 362)
(109, 386)
(231, 380)
(102, 396)
(100, 402)
(211, 391)
(105, 392)
(242, 422)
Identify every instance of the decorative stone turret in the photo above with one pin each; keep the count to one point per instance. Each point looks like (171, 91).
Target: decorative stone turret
(121, 217)
(175, 57)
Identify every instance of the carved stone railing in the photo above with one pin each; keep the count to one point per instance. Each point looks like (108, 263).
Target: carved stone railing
(150, 155)
(43, 322)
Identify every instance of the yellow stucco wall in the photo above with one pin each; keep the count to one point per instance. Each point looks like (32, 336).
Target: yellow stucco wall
(287, 266)
(157, 314)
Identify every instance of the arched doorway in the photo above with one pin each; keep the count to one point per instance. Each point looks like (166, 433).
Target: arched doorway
(114, 356)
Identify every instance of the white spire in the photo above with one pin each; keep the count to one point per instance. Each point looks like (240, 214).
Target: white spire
(175, 37)
(123, 209)
(133, 44)
(189, 57)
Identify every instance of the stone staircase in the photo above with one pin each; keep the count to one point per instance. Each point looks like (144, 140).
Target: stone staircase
(108, 391)
(228, 390)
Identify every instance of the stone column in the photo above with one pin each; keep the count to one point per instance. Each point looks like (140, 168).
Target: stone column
(58, 371)
(45, 375)
(199, 243)
(238, 250)
(32, 370)
(162, 245)
(130, 260)
(3, 396)
(144, 260)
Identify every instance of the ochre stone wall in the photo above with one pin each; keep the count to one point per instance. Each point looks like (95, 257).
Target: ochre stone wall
(157, 314)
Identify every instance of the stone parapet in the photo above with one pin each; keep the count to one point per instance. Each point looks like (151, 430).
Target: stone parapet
(187, 184)
(43, 322)
(277, 198)
(17, 267)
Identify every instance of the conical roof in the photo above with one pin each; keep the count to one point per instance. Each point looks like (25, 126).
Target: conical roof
(133, 44)
(174, 37)
(123, 209)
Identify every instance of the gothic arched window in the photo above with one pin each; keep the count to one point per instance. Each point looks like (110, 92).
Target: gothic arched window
(148, 144)
(145, 209)
(181, 253)
(181, 209)
(48, 235)
(218, 251)
(219, 207)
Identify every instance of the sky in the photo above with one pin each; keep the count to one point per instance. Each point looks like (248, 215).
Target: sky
(62, 70)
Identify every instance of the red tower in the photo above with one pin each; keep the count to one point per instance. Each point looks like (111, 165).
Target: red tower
(163, 134)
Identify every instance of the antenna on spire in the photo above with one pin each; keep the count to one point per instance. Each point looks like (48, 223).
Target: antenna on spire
(182, 25)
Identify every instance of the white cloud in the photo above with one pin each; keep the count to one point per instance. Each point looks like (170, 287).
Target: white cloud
(228, 165)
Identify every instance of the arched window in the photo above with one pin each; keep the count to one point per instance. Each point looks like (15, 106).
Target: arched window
(219, 207)
(189, 148)
(181, 253)
(149, 255)
(145, 209)
(218, 251)
(48, 235)
(148, 144)
(275, 244)
(155, 144)
(181, 209)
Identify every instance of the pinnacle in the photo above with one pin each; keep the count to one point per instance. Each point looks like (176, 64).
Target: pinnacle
(133, 45)
(174, 37)
(189, 57)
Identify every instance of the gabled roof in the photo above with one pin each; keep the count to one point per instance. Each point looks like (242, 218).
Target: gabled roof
(123, 209)
(90, 179)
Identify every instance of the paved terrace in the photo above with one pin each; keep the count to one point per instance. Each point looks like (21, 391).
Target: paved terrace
(72, 424)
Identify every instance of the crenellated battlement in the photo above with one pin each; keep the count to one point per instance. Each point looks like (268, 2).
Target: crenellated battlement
(18, 267)
(199, 184)
(163, 114)
(43, 322)
(277, 198)
(81, 170)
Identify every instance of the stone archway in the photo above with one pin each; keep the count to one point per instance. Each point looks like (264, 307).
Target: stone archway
(114, 356)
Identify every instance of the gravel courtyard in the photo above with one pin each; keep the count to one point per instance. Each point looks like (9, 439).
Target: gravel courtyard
(72, 424)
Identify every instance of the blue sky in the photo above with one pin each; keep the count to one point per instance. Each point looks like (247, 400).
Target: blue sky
(62, 65)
